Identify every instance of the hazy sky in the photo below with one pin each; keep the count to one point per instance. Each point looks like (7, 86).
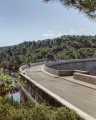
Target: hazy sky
(27, 20)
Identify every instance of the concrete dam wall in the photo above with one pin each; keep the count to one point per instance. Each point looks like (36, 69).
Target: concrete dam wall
(67, 67)
(40, 94)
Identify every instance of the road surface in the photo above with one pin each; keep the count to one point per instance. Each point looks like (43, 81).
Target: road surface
(78, 95)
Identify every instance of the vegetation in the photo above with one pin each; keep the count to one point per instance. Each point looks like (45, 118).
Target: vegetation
(1, 48)
(65, 47)
(86, 6)
(12, 110)
(7, 84)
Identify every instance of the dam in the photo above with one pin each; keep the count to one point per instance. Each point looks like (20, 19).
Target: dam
(69, 83)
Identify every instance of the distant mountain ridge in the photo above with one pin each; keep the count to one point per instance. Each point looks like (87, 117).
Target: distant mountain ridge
(65, 47)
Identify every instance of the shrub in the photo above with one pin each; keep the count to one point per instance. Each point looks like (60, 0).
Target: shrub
(12, 110)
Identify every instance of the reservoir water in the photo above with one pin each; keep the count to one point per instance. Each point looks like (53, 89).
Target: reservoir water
(16, 96)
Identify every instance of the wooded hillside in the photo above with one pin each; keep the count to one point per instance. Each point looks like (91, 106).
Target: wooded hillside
(65, 47)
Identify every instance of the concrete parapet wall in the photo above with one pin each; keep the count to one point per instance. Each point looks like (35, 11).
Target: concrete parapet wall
(64, 72)
(81, 71)
(70, 65)
(85, 78)
(38, 92)
(59, 72)
(49, 64)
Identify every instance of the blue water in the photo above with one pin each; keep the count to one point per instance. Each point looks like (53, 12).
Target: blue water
(16, 96)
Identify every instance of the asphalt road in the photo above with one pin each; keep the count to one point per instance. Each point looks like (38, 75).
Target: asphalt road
(80, 96)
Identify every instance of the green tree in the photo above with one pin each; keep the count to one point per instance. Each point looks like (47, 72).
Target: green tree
(50, 57)
(6, 84)
(86, 6)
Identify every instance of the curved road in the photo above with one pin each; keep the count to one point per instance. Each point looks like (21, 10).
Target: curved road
(80, 96)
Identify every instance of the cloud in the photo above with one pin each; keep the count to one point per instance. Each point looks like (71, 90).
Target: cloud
(71, 31)
(50, 34)
(60, 34)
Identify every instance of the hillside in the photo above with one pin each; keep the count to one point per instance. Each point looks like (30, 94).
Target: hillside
(65, 47)
(1, 48)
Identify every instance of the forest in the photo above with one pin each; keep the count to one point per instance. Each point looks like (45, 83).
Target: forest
(64, 47)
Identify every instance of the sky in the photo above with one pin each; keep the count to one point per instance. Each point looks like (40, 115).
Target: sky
(28, 20)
